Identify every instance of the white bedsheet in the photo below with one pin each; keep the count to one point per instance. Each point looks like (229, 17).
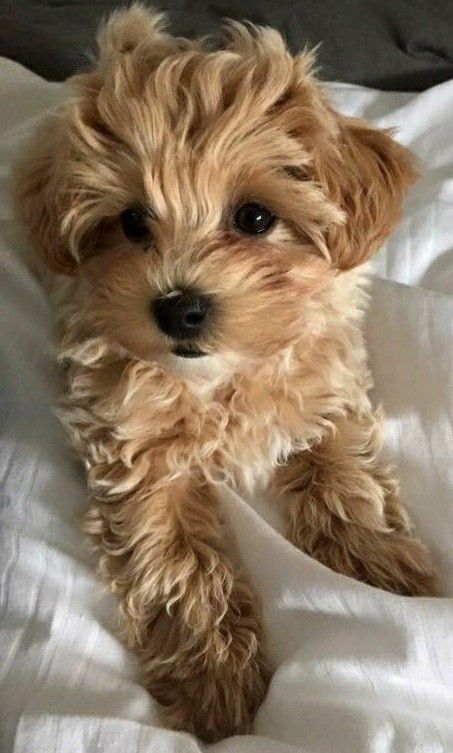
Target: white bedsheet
(357, 670)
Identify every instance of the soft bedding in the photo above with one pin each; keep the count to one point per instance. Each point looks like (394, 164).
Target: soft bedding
(357, 670)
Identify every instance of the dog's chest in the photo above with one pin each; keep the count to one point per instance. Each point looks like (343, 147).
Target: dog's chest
(244, 434)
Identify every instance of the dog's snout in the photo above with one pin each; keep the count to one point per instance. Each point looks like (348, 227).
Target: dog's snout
(182, 314)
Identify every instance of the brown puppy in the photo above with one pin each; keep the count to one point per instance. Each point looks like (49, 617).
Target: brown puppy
(202, 215)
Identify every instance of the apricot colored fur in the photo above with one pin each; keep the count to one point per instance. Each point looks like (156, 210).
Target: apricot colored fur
(189, 131)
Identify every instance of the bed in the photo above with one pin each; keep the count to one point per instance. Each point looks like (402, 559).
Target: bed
(356, 670)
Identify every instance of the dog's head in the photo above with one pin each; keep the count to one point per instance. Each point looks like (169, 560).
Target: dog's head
(206, 196)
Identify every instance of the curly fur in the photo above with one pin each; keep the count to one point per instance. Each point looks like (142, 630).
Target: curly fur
(189, 131)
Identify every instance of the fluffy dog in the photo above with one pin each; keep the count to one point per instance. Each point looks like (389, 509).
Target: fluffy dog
(203, 215)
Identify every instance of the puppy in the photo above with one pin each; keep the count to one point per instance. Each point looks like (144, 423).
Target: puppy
(203, 216)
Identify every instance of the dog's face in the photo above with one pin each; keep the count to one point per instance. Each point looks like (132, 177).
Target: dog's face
(206, 198)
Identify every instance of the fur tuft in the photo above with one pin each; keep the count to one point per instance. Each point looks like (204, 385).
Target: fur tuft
(127, 29)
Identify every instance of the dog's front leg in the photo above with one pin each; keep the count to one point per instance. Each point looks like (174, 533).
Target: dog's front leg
(189, 614)
(343, 509)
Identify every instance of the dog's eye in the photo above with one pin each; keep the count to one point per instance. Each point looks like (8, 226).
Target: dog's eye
(253, 219)
(134, 225)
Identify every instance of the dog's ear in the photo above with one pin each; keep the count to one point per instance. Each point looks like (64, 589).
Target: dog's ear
(55, 191)
(41, 197)
(365, 172)
(362, 170)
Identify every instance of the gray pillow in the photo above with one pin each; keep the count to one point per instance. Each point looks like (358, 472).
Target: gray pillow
(387, 44)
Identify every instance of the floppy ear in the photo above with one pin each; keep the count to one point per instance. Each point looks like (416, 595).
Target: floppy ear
(50, 198)
(40, 195)
(367, 174)
(363, 172)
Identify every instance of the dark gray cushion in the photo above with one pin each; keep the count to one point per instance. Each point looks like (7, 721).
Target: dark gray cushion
(388, 44)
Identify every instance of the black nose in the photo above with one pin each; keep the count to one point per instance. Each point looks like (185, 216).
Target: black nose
(181, 314)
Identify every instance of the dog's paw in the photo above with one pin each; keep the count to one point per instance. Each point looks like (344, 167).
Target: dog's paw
(402, 565)
(393, 561)
(206, 667)
(213, 689)
(217, 701)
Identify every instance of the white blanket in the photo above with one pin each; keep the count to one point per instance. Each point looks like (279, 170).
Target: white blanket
(357, 670)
